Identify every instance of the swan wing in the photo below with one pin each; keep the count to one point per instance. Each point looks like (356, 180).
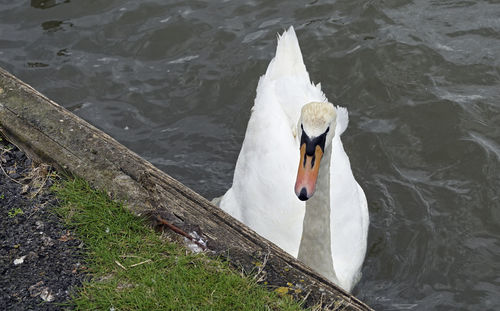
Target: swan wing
(349, 212)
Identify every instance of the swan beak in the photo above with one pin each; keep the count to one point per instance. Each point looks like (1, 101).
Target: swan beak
(305, 185)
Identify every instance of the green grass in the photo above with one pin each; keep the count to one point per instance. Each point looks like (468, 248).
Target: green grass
(171, 277)
(14, 212)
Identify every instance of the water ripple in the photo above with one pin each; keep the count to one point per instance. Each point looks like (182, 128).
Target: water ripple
(175, 82)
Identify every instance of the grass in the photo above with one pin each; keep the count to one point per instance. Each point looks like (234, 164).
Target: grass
(14, 212)
(135, 268)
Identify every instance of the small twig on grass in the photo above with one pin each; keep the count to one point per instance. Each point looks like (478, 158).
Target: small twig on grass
(305, 298)
(179, 231)
(140, 263)
(120, 265)
(130, 256)
(260, 275)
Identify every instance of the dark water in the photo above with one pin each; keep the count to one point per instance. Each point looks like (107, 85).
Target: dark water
(175, 80)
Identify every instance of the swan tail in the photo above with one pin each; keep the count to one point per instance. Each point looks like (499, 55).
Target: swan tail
(288, 59)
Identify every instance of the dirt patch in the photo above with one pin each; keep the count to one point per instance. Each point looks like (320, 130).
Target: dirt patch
(40, 260)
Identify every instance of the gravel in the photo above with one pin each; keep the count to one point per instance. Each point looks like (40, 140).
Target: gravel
(40, 260)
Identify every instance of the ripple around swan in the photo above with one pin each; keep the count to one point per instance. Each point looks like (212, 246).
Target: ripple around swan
(175, 81)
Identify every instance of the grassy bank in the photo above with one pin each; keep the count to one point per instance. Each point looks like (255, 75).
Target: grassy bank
(135, 268)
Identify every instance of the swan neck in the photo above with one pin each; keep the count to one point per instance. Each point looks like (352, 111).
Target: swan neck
(315, 245)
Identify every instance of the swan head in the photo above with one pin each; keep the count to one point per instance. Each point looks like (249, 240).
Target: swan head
(316, 128)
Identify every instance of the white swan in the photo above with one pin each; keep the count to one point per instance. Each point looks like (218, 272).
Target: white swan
(293, 126)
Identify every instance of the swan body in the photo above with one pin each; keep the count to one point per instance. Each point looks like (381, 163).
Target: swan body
(328, 231)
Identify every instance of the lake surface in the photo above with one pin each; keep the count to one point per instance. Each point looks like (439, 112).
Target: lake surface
(175, 80)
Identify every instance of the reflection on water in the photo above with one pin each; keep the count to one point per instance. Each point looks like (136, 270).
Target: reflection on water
(46, 4)
(175, 81)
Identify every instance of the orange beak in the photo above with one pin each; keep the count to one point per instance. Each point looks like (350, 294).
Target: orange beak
(305, 185)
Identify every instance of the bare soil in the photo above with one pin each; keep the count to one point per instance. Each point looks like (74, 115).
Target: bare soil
(40, 261)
